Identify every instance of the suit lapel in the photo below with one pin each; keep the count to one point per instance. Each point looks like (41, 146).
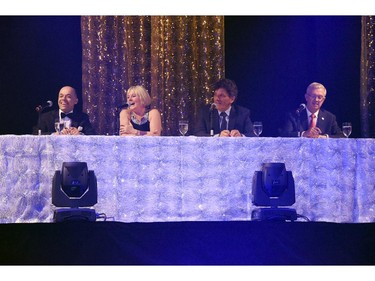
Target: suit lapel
(215, 121)
(304, 121)
(321, 122)
(76, 119)
(232, 118)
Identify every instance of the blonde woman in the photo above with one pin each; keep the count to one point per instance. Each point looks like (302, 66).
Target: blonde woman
(138, 119)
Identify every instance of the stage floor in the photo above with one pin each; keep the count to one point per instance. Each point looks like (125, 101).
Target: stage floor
(187, 243)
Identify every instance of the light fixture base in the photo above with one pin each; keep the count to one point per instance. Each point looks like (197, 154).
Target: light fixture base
(274, 214)
(74, 214)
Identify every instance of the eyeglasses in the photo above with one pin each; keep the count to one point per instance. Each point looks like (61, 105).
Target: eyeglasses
(317, 97)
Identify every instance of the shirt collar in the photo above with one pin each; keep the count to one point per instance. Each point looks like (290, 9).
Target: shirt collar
(60, 111)
(226, 111)
(309, 113)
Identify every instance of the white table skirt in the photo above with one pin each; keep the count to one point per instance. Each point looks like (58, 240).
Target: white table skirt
(154, 179)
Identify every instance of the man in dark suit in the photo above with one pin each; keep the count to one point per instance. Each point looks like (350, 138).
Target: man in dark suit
(79, 121)
(223, 118)
(314, 122)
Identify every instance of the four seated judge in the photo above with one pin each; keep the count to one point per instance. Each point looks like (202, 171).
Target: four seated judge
(224, 118)
(139, 119)
(314, 122)
(79, 121)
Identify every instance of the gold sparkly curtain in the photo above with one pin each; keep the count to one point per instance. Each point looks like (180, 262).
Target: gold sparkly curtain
(115, 55)
(176, 58)
(368, 77)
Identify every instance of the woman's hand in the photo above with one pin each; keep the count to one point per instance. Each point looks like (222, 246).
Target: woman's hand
(126, 130)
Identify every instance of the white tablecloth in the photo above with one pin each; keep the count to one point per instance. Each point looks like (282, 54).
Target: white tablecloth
(153, 179)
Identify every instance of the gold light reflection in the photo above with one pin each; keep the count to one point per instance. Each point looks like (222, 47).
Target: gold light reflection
(176, 58)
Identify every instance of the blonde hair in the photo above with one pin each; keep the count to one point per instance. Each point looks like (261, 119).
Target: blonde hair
(142, 93)
(316, 85)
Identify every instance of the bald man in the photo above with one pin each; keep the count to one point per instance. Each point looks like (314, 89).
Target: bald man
(79, 121)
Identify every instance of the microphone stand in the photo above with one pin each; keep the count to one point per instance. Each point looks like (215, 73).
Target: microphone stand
(39, 109)
(299, 132)
(38, 127)
(117, 125)
(211, 124)
(301, 107)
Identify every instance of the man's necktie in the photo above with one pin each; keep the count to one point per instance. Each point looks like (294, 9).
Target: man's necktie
(223, 121)
(69, 115)
(313, 121)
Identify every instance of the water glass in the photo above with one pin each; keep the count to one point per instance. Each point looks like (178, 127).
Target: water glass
(257, 128)
(347, 129)
(59, 126)
(183, 127)
(67, 124)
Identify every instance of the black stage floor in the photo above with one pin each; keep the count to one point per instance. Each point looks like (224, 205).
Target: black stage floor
(187, 243)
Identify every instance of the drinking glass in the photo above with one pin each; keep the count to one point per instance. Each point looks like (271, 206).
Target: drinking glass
(183, 127)
(257, 128)
(347, 129)
(59, 126)
(67, 124)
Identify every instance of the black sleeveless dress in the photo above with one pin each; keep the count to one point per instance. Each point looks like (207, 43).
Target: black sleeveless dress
(143, 125)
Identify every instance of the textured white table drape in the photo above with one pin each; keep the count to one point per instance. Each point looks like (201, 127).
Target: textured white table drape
(153, 179)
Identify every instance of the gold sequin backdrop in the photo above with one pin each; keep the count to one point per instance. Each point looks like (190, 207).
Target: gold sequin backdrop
(368, 77)
(176, 58)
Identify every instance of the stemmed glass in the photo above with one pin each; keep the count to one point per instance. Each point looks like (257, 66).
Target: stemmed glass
(67, 124)
(59, 126)
(347, 129)
(257, 128)
(183, 127)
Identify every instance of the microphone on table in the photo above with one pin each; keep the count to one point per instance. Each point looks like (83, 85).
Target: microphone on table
(301, 108)
(40, 108)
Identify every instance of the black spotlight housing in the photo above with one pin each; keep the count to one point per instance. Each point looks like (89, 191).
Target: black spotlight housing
(272, 187)
(74, 187)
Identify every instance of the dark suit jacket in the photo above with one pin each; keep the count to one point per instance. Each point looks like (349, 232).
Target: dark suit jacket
(239, 119)
(326, 122)
(46, 122)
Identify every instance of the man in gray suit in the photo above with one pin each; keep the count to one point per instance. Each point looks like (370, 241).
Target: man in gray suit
(315, 122)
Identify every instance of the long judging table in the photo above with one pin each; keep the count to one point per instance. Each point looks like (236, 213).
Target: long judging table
(158, 179)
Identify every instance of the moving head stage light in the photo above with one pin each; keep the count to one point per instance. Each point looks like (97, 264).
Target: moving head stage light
(273, 187)
(74, 187)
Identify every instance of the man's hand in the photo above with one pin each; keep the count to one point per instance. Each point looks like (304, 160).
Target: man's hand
(227, 133)
(224, 133)
(235, 133)
(312, 133)
(70, 131)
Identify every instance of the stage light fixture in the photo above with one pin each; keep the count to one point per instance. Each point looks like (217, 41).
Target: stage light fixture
(74, 187)
(272, 187)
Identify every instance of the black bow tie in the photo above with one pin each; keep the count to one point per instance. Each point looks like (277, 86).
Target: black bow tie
(69, 115)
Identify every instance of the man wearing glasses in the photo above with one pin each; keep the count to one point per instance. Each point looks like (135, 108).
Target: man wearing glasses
(312, 121)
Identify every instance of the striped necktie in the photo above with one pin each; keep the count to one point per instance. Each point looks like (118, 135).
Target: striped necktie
(313, 121)
(223, 125)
